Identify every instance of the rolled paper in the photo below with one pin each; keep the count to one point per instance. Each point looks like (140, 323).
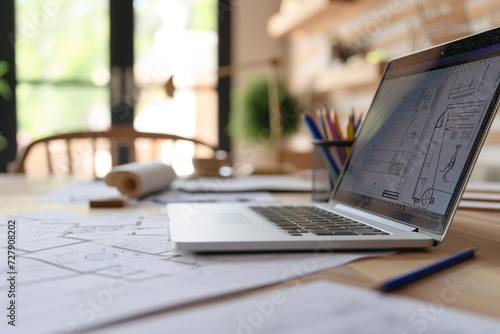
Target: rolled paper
(139, 179)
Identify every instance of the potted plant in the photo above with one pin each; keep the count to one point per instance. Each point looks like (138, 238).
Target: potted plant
(249, 118)
(257, 149)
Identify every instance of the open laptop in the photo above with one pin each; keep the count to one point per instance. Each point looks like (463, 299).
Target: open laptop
(406, 172)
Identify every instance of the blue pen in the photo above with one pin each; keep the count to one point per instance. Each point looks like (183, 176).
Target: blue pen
(431, 268)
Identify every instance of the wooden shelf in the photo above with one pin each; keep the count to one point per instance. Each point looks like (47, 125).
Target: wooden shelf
(283, 22)
(356, 73)
(318, 12)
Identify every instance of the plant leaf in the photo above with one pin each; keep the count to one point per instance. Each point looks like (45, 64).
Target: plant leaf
(4, 68)
(5, 91)
(3, 142)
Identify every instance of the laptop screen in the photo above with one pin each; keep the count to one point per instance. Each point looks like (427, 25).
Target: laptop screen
(423, 132)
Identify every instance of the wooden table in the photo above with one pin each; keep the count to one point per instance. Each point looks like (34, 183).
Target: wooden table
(476, 282)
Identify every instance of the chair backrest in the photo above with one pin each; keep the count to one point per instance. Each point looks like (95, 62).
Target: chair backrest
(77, 152)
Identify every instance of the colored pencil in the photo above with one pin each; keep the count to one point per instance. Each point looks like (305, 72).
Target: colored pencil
(427, 270)
(316, 134)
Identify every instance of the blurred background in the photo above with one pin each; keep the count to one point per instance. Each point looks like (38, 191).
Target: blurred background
(71, 65)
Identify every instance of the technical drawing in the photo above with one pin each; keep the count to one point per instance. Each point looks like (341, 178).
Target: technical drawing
(113, 275)
(99, 229)
(451, 164)
(426, 180)
(395, 165)
(454, 128)
(422, 136)
(101, 256)
(466, 86)
(423, 143)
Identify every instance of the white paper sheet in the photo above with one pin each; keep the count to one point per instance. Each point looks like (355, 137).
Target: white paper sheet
(83, 192)
(80, 193)
(314, 308)
(76, 271)
(175, 196)
(244, 183)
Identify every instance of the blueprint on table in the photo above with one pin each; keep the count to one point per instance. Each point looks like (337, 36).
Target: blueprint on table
(80, 271)
(319, 307)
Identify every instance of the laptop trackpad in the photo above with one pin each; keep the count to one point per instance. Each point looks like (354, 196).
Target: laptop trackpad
(220, 218)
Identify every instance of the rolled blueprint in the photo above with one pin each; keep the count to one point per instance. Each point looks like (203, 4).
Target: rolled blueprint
(140, 179)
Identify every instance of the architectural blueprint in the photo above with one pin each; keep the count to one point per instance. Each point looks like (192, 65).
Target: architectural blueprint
(427, 126)
(80, 271)
(319, 307)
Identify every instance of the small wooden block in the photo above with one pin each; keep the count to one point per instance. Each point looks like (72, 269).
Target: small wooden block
(110, 202)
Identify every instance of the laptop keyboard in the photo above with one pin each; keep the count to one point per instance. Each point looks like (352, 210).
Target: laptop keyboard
(302, 220)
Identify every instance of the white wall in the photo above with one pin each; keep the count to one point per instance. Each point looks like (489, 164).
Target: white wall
(250, 38)
(251, 42)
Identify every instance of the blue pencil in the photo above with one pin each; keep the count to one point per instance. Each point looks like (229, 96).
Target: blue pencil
(317, 135)
(431, 268)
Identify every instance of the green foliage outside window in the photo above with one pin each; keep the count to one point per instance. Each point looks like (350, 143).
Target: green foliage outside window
(5, 91)
(202, 15)
(6, 94)
(69, 42)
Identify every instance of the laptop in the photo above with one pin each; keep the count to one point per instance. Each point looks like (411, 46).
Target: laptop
(405, 174)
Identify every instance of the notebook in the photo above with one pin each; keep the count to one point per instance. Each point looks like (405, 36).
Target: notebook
(405, 174)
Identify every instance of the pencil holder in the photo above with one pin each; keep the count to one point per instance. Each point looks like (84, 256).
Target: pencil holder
(328, 162)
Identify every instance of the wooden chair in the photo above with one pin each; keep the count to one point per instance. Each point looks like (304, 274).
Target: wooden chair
(75, 153)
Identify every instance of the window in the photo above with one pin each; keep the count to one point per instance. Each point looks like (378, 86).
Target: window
(177, 39)
(62, 52)
(62, 65)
